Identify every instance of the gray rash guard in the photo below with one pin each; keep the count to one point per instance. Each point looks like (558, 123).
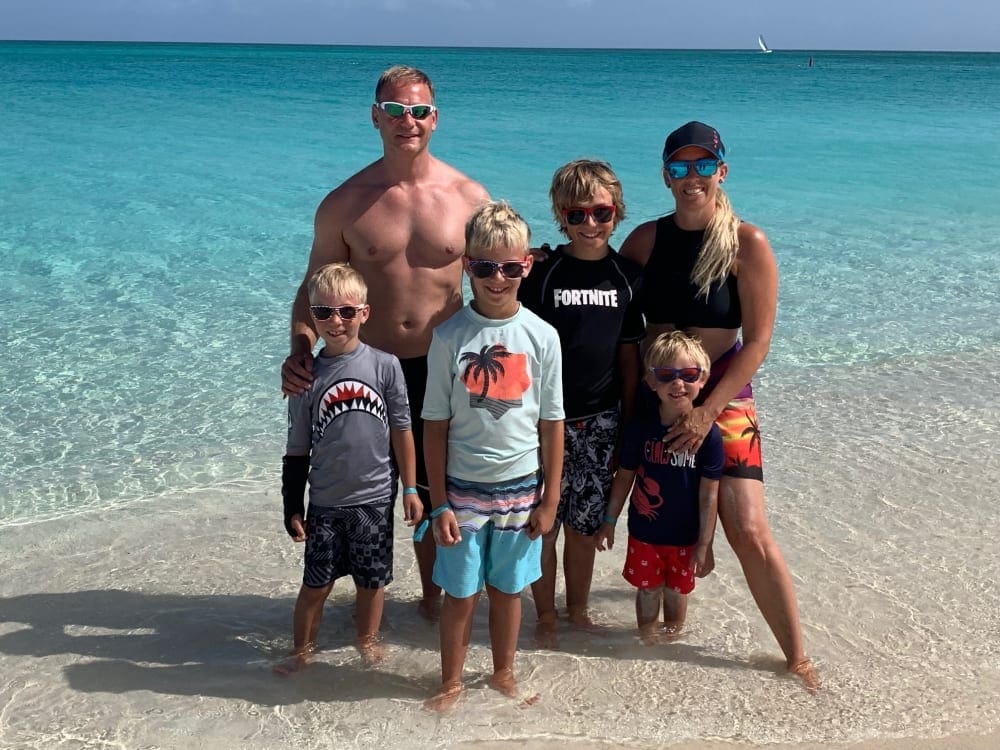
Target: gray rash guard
(343, 423)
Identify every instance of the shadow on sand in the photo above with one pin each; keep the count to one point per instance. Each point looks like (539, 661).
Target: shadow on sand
(225, 645)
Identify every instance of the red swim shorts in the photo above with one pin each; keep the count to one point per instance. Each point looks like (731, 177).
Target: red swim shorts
(650, 566)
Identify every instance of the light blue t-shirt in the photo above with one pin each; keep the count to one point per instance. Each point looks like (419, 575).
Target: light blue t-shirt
(493, 379)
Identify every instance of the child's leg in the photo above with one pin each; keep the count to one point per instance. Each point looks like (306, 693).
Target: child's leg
(505, 624)
(586, 482)
(578, 567)
(456, 630)
(674, 612)
(543, 592)
(429, 605)
(647, 612)
(368, 619)
(305, 626)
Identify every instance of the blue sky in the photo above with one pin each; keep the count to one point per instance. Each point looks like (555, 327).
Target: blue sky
(725, 24)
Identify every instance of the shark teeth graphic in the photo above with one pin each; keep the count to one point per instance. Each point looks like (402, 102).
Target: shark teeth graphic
(348, 395)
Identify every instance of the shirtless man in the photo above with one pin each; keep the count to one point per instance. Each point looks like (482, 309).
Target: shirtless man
(400, 222)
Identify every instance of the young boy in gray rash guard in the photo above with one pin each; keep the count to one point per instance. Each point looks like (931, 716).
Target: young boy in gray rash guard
(339, 435)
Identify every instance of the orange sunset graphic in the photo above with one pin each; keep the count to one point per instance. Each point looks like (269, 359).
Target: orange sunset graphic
(495, 378)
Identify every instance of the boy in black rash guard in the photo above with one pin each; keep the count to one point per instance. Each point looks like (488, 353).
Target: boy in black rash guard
(589, 294)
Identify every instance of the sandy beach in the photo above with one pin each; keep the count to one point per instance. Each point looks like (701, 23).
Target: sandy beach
(156, 626)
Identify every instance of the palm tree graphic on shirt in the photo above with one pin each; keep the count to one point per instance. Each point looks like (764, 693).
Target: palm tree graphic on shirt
(495, 378)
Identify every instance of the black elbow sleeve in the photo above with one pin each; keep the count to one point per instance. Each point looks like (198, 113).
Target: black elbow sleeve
(294, 473)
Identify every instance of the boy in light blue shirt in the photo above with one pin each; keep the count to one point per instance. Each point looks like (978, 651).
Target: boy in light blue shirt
(494, 397)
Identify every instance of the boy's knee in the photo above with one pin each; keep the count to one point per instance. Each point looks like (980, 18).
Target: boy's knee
(314, 594)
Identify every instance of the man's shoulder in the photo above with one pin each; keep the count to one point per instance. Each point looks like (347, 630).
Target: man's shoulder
(356, 188)
(454, 181)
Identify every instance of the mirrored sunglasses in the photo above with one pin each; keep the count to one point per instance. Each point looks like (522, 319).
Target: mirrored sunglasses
(578, 215)
(669, 374)
(511, 269)
(344, 312)
(416, 111)
(678, 170)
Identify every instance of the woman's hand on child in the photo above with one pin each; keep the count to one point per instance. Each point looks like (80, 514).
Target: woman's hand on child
(446, 531)
(604, 535)
(295, 522)
(413, 510)
(689, 430)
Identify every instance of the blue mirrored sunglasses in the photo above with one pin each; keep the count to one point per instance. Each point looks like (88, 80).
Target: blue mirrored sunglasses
(678, 170)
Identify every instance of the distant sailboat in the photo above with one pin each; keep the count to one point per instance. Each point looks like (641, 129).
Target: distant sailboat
(762, 44)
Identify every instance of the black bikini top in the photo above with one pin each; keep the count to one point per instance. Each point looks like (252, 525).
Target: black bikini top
(668, 294)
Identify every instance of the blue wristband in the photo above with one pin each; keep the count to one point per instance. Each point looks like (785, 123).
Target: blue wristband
(439, 510)
(422, 527)
(409, 490)
(610, 520)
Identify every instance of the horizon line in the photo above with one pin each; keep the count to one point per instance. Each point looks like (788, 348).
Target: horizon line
(489, 46)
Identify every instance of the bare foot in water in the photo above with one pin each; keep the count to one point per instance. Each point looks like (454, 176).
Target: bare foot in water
(547, 631)
(504, 682)
(659, 635)
(430, 608)
(650, 635)
(446, 697)
(371, 649)
(672, 631)
(806, 671)
(294, 663)
(581, 620)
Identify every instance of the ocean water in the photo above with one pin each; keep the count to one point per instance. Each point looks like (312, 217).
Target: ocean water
(155, 218)
(157, 206)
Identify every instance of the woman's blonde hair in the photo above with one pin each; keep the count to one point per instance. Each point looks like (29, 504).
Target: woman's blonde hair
(338, 280)
(718, 248)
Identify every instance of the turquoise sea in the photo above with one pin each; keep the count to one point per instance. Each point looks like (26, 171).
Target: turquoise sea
(156, 205)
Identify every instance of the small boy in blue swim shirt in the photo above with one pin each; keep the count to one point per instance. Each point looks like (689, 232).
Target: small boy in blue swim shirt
(339, 436)
(492, 407)
(674, 502)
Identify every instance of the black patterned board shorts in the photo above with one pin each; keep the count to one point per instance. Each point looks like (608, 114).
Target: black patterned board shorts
(354, 540)
(586, 480)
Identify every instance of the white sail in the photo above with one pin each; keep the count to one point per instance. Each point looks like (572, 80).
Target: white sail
(762, 44)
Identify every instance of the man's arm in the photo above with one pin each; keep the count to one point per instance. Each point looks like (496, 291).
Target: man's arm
(328, 246)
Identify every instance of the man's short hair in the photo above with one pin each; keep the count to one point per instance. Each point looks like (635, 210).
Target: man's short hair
(402, 74)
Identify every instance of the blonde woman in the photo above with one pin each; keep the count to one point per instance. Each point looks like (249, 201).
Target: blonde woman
(713, 276)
